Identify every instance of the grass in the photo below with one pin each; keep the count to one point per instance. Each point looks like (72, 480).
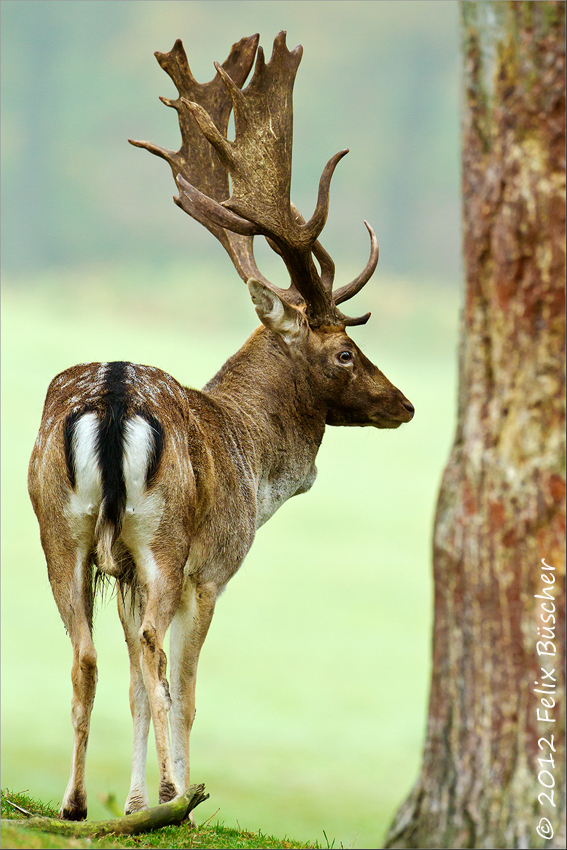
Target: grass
(315, 674)
(184, 836)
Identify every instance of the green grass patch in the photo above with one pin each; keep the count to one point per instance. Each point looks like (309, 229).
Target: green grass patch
(185, 836)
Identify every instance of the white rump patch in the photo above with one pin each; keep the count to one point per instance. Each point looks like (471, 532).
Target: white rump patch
(143, 509)
(138, 445)
(88, 484)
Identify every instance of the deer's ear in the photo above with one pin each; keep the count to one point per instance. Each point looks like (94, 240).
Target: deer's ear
(276, 314)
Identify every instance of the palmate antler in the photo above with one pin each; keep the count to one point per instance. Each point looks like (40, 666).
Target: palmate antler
(259, 163)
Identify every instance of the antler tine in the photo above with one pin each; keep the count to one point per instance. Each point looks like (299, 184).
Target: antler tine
(328, 273)
(316, 223)
(242, 248)
(351, 289)
(204, 209)
(324, 259)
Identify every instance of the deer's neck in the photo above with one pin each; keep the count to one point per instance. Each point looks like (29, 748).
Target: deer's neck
(272, 412)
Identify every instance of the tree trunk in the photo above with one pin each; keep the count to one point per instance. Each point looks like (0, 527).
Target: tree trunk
(498, 551)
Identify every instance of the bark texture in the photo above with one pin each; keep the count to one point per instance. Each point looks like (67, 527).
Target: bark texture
(501, 507)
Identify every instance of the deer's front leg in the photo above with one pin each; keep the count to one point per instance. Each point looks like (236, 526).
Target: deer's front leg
(188, 632)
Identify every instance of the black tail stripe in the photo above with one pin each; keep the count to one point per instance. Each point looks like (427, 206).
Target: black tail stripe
(110, 441)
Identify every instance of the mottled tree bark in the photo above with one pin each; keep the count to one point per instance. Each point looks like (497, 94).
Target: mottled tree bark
(501, 509)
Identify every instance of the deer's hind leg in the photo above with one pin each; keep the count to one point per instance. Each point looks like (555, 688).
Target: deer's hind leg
(129, 611)
(157, 617)
(188, 632)
(158, 592)
(71, 583)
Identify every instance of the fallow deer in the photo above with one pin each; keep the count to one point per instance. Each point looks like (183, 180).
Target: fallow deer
(161, 487)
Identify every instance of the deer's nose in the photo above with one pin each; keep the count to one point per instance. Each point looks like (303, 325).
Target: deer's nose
(408, 406)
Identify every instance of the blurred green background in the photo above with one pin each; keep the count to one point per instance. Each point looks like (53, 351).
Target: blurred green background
(313, 685)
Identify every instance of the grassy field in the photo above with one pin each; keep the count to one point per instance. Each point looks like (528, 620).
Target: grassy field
(312, 695)
(199, 835)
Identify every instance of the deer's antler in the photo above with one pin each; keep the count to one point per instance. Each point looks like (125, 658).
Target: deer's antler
(259, 163)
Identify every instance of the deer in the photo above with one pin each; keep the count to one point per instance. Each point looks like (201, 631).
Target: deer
(160, 488)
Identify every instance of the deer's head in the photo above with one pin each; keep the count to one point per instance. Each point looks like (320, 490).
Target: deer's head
(305, 317)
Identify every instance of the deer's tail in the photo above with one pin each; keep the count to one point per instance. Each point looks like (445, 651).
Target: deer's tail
(110, 458)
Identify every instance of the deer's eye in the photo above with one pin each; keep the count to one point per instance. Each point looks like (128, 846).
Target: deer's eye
(345, 356)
